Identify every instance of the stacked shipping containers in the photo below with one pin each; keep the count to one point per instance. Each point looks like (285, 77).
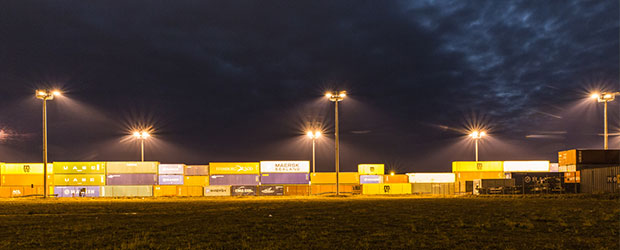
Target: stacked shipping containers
(196, 177)
(242, 178)
(325, 183)
(531, 177)
(432, 183)
(371, 173)
(170, 176)
(127, 179)
(73, 179)
(467, 171)
(599, 165)
(275, 174)
(19, 179)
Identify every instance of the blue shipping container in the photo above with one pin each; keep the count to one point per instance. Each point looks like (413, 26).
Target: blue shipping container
(77, 191)
(370, 179)
(170, 180)
(285, 178)
(234, 179)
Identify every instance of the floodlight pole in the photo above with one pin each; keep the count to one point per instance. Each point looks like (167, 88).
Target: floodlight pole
(476, 142)
(142, 148)
(44, 148)
(313, 154)
(337, 152)
(605, 120)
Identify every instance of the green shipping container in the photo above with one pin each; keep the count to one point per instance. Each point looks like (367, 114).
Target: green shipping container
(79, 168)
(79, 179)
(127, 191)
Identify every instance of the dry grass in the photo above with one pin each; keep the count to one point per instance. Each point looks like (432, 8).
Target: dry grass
(311, 222)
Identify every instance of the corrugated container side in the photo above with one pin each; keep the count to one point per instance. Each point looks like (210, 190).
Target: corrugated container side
(25, 180)
(600, 180)
(235, 179)
(393, 189)
(77, 191)
(131, 179)
(190, 191)
(477, 166)
(7, 192)
(79, 167)
(285, 178)
(196, 181)
(162, 191)
(371, 169)
(431, 177)
(567, 157)
(369, 179)
(170, 180)
(222, 168)
(330, 178)
(166, 169)
(243, 190)
(127, 191)
(323, 189)
(25, 168)
(462, 177)
(271, 190)
(297, 190)
(398, 178)
(217, 190)
(131, 167)
(79, 179)
(285, 166)
(196, 170)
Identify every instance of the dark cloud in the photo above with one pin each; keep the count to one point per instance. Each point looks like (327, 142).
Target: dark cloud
(238, 80)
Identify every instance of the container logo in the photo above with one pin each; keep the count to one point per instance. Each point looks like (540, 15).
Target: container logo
(386, 188)
(16, 192)
(26, 168)
(479, 165)
(268, 190)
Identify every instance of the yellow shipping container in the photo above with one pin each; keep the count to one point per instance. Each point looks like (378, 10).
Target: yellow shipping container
(234, 168)
(330, 178)
(463, 177)
(159, 191)
(371, 169)
(25, 180)
(196, 181)
(477, 166)
(25, 168)
(79, 179)
(79, 167)
(394, 188)
(189, 191)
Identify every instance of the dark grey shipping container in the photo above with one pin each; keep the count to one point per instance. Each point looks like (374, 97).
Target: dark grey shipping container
(271, 190)
(600, 180)
(539, 182)
(433, 188)
(243, 190)
(489, 183)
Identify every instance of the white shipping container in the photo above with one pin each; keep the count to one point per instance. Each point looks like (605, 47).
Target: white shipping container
(285, 166)
(431, 177)
(526, 166)
(171, 168)
(214, 190)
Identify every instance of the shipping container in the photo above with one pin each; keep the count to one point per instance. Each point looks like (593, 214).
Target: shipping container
(554, 167)
(369, 179)
(477, 166)
(220, 190)
(79, 179)
(243, 190)
(330, 178)
(8, 192)
(131, 167)
(497, 186)
(36, 190)
(271, 190)
(168, 169)
(221, 168)
(79, 167)
(534, 183)
(462, 177)
(25, 180)
(526, 166)
(395, 188)
(131, 179)
(588, 156)
(190, 191)
(572, 177)
(196, 170)
(567, 168)
(297, 190)
(330, 189)
(25, 168)
(127, 191)
(162, 191)
(371, 169)
(431, 177)
(285, 166)
(433, 188)
(170, 180)
(282, 178)
(77, 191)
(600, 180)
(397, 178)
(234, 179)
(196, 181)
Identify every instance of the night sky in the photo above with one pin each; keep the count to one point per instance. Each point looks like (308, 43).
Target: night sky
(242, 80)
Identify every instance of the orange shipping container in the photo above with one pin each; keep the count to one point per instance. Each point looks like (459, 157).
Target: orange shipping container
(7, 192)
(299, 190)
(189, 191)
(572, 177)
(330, 178)
(25, 180)
(399, 178)
(331, 189)
(196, 181)
(568, 157)
(159, 191)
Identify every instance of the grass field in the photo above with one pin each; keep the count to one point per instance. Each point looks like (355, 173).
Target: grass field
(311, 222)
